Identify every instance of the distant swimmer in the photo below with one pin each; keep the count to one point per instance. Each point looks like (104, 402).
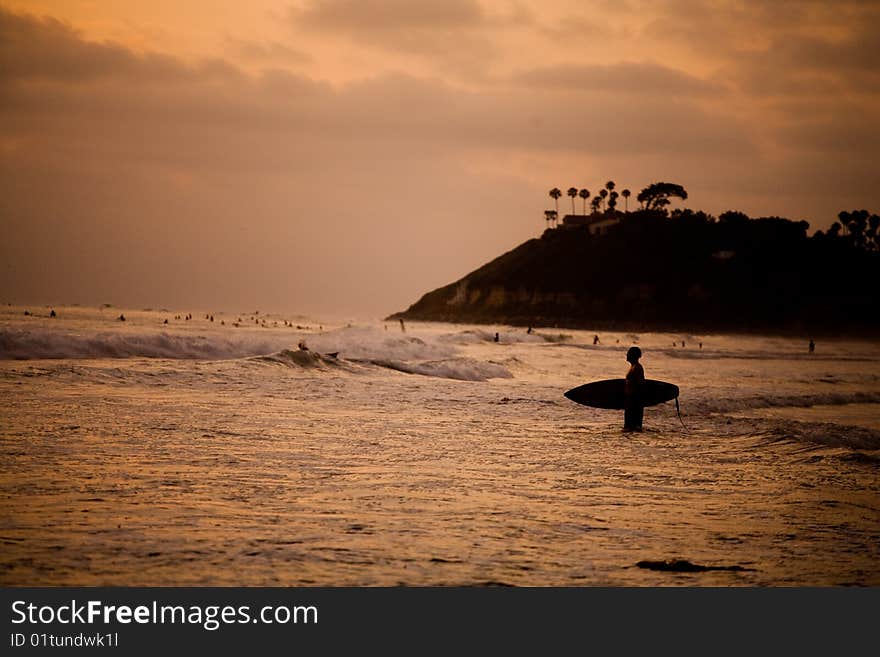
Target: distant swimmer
(52, 314)
(121, 318)
(496, 337)
(529, 331)
(302, 346)
(701, 345)
(595, 339)
(812, 346)
(165, 322)
(402, 325)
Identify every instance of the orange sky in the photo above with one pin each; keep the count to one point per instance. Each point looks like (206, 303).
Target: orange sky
(348, 155)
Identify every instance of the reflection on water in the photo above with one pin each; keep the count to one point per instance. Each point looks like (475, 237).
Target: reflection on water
(432, 457)
(856, 415)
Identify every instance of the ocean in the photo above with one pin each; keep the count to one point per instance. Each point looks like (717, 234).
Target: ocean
(199, 452)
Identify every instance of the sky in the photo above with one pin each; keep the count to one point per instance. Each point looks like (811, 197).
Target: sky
(346, 156)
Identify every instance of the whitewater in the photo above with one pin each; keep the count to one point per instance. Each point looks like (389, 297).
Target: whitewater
(253, 448)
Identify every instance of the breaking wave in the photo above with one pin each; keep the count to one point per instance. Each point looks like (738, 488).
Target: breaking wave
(38, 344)
(462, 369)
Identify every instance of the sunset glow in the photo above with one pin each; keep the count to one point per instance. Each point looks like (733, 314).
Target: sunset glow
(348, 155)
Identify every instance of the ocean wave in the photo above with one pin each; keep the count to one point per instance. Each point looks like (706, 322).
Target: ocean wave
(462, 369)
(825, 434)
(707, 354)
(38, 344)
(305, 359)
(365, 343)
(753, 402)
(516, 336)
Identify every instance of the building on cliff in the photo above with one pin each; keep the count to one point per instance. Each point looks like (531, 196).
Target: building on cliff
(598, 223)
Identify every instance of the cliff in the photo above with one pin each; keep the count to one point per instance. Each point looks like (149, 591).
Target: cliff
(684, 272)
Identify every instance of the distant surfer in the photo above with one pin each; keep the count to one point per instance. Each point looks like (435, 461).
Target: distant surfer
(812, 346)
(595, 339)
(402, 326)
(634, 412)
(496, 337)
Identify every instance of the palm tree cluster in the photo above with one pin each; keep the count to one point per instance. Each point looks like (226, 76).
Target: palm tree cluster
(859, 227)
(604, 201)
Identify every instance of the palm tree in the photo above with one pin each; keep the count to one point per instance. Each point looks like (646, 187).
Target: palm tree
(555, 193)
(609, 185)
(573, 192)
(584, 194)
(603, 194)
(612, 200)
(595, 203)
(548, 216)
(626, 194)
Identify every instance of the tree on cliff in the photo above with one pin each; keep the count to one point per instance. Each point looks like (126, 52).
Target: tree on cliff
(555, 193)
(861, 227)
(656, 195)
(550, 216)
(603, 194)
(584, 194)
(573, 192)
(626, 194)
(612, 201)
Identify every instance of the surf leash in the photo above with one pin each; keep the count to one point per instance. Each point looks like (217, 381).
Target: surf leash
(678, 410)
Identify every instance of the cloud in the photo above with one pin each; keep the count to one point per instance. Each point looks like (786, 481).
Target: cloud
(268, 52)
(389, 15)
(628, 78)
(45, 48)
(138, 174)
(777, 47)
(454, 34)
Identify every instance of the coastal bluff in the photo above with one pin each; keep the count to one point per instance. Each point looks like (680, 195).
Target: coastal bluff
(684, 271)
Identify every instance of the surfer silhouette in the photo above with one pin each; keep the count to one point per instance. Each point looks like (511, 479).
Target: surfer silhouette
(634, 412)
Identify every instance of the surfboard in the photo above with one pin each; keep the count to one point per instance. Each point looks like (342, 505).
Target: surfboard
(610, 393)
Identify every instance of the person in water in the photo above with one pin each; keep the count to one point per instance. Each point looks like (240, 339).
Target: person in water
(634, 412)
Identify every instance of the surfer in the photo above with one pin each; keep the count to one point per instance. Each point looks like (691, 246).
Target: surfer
(634, 412)
(812, 346)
